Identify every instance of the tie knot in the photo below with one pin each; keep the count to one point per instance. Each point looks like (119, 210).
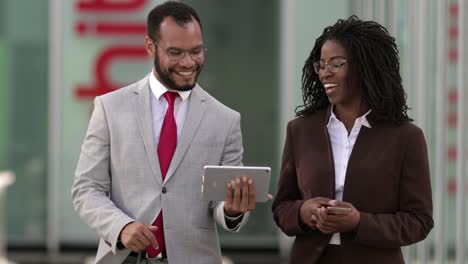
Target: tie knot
(170, 97)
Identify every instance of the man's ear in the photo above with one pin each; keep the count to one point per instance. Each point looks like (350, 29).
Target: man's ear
(150, 47)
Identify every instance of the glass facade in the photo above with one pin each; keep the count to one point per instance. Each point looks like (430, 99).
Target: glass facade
(24, 117)
(229, 75)
(241, 71)
(256, 50)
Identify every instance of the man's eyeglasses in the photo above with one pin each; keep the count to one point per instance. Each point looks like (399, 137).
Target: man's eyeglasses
(334, 65)
(175, 54)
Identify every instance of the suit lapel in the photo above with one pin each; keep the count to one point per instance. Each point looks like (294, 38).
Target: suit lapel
(359, 159)
(330, 162)
(365, 139)
(195, 112)
(329, 150)
(145, 123)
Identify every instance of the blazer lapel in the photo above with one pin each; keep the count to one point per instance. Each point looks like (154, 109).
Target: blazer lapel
(195, 112)
(360, 158)
(329, 149)
(143, 114)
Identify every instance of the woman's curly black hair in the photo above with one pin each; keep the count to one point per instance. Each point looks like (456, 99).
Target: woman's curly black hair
(374, 62)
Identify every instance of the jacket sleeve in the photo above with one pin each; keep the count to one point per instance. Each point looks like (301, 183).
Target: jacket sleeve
(288, 200)
(91, 187)
(413, 221)
(232, 156)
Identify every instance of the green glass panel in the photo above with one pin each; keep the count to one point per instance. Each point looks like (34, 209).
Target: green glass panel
(27, 211)
(241, 70)
(3, 105)
(24, 29)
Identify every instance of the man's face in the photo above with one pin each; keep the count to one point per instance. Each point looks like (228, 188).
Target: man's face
(178, 54)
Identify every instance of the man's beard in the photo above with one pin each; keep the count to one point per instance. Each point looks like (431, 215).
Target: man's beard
(167, 81)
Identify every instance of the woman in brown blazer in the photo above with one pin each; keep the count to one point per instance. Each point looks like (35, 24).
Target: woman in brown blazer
(353, 146)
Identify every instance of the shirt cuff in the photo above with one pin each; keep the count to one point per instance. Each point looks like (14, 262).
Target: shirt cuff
(222, 218)
(233, 219)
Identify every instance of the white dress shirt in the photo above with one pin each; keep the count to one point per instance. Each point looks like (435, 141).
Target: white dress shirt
(342, 146)
(159, 107)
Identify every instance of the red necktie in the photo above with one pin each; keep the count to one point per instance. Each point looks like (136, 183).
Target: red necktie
(166, 148)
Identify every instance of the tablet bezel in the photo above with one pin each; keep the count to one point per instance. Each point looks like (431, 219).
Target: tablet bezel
(215, 179)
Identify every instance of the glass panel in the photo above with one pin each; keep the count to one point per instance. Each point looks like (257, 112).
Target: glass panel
(26, 125)
(241, 71)
(2, 19)
(3, 106)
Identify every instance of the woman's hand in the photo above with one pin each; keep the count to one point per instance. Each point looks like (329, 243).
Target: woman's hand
(309, 210)
(330, 223)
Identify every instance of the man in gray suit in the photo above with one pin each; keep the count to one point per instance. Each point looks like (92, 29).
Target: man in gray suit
(138, 179)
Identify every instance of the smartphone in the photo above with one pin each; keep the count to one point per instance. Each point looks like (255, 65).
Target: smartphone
(334, 210)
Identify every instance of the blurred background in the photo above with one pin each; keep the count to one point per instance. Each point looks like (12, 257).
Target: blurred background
(56, 56)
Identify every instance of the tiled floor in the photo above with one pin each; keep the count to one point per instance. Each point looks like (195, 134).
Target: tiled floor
(235, 256)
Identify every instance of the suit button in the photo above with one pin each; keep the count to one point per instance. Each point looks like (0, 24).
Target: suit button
(164, 190)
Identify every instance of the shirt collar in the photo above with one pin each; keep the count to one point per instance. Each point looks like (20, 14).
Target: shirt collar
(158, 89)
(362, 120)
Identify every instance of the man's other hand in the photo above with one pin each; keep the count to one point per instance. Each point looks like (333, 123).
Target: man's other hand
(137, 236)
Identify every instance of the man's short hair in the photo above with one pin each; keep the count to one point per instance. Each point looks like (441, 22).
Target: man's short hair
(181, 12)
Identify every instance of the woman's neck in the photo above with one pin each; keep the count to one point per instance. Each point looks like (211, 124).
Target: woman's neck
(349, 114)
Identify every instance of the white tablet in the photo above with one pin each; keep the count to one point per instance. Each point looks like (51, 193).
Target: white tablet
(216, 178)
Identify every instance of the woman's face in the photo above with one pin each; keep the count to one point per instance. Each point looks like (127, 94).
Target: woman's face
(333, 70)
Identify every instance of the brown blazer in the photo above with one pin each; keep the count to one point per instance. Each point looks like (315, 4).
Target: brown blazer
(387, 180)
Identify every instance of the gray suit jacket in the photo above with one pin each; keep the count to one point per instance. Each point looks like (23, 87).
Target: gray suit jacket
(118, 179)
